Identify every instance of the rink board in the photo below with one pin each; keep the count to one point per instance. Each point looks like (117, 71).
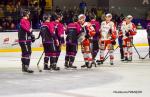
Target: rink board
(9, 41)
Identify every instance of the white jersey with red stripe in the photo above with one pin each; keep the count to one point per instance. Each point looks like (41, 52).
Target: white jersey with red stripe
(126, 28)
(87, 29)
(105, 30)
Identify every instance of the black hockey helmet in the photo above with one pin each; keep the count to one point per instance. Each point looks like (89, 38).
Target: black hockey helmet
(75, 18)
(58, 15)
(25, 12)
(46, 17)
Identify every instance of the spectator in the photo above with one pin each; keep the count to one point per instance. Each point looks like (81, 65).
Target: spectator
(4, 2)
(99, 14)
(1, 13)
(120, 18)
(58, 10)
(35, 15)
(88, 14)
(10, 8)
(18, 5)
(8, 23)
(94, 11)
(148, 15)
(115, 19)
(25, 3)
(103, 17)
(1, 28)
(83, 6)
(42, 6)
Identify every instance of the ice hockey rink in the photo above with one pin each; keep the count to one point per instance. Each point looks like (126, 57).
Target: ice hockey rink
(121, 80)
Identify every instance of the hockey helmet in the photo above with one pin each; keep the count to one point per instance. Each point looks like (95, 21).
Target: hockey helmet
(81, 16)
(25, 13)
(46, 17)
(108, 15)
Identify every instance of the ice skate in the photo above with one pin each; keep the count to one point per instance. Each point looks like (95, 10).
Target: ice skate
(25, 68)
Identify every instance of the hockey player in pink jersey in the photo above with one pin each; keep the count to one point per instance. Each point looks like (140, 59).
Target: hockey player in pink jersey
(95, 41)
(73, 30)
(49, 40)
(59, 31)
(25, 37)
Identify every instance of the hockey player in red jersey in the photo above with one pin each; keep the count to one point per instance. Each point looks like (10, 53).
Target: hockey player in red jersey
(107, 38)
(128, 30)
(86, 36)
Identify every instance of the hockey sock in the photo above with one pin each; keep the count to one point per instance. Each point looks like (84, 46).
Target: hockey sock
(101, 55)
(111, 56)
(46, 59)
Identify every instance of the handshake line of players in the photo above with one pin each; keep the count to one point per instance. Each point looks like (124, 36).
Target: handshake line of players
(92, 36)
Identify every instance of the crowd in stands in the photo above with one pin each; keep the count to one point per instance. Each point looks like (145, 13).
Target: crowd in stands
(10, 13)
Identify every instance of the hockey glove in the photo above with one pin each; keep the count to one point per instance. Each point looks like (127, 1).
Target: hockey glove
(110, 31)
(87, 36)
(32, 38)
(113, 42)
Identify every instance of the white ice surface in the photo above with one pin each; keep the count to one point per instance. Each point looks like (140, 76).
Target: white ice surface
(96, 82)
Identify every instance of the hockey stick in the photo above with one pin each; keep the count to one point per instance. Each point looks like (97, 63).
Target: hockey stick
(15, 44)
(146, 56)
(106, 57)
(137, 52)
(39, 62)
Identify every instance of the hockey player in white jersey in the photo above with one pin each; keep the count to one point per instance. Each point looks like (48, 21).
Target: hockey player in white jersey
(85, 38)
(107, 38)
(127, 31)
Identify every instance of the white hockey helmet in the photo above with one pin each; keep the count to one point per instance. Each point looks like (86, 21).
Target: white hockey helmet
(81, 16)
(129, 17)
(108, 15)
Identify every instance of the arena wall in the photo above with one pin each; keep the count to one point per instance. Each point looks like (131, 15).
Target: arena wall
(9, 43)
